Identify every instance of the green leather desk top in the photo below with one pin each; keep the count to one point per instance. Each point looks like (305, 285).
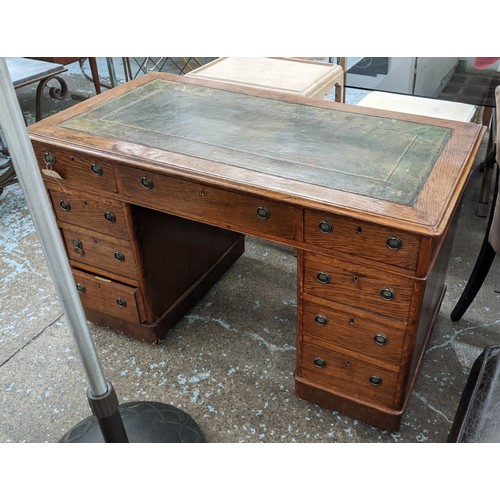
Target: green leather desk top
(382, 158)
(403, 170)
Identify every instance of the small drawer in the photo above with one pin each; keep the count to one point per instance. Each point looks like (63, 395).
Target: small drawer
(80, 209)
(107, 296)
(351, 329)
(114, 256)
(347, 376)
(354, 285)
(242, 213)
(355, 237)
(75, 169)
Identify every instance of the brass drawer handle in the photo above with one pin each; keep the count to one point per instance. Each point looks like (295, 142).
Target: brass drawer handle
(119, 256)
(110, 216)
(78, 247)
(96, 169)
(394, 243)
(387, 293)
(147, 182)
(263, 212)
(375, 380)
(81, 288)
(323, 277)
(321, 320)
(325, 227)
(49, 158)
(380, 339)
(65, 205)
(121, 302)
(320, 362)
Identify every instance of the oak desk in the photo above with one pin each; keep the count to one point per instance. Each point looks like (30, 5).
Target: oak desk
(155, 183)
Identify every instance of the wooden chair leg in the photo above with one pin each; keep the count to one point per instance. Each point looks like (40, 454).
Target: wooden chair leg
(481, 268)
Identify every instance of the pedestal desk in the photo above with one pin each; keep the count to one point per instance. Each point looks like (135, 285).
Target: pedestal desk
(155, 184)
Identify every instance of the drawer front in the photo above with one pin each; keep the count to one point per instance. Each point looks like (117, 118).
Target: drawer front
(370, 289)
(347, 376)
(107, 296)
(247, 214)
(327, 327)
(351, 236)
(104, 216)
(115, 257)
(75, 169)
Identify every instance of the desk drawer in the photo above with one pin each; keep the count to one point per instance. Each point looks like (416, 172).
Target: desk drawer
(351, 329)
(114, 256)
(358, 286)
(80, 209)
(75, 169)
(107, 296)
(347, 376)
(242, 213)
(355, 237)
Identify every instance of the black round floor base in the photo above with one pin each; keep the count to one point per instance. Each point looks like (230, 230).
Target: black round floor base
(144, 422)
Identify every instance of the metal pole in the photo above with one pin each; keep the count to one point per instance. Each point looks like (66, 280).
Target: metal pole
(28, 173)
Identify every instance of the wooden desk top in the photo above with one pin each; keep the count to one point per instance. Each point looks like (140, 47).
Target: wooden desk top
(381, 166)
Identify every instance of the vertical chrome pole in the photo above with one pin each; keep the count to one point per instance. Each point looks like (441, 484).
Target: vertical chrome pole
(101, 395)
(29, 176)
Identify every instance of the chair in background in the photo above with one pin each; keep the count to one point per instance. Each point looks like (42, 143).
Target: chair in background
(70, 60)
(491, 243)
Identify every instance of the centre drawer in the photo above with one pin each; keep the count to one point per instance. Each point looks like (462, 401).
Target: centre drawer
(359, 286)
(108, 254)
(347, 376)
(238, 212)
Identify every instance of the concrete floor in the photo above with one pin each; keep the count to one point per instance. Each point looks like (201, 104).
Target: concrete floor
(229, 363)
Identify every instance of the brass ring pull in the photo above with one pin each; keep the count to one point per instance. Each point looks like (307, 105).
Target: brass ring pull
(387, 293)
(110, 216)
(147, 182)
(119, 256)
(325, 227)
(49, 158)
(320, 362)
(321, 320)
(65, 205)
(394, 243)
(78, 247)
(96, 169)
(323, 277)
(380, 339)
(263, 213)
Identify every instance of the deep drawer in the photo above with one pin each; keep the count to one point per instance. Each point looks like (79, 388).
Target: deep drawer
(331, 328)
(351, 236)
(75, 169)
(246, 214)
(107, 296)
(347, 376)
(80, 209)
(367, 288)
(114, 256)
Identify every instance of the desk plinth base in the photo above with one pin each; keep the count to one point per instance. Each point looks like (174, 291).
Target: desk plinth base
(380, 417)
